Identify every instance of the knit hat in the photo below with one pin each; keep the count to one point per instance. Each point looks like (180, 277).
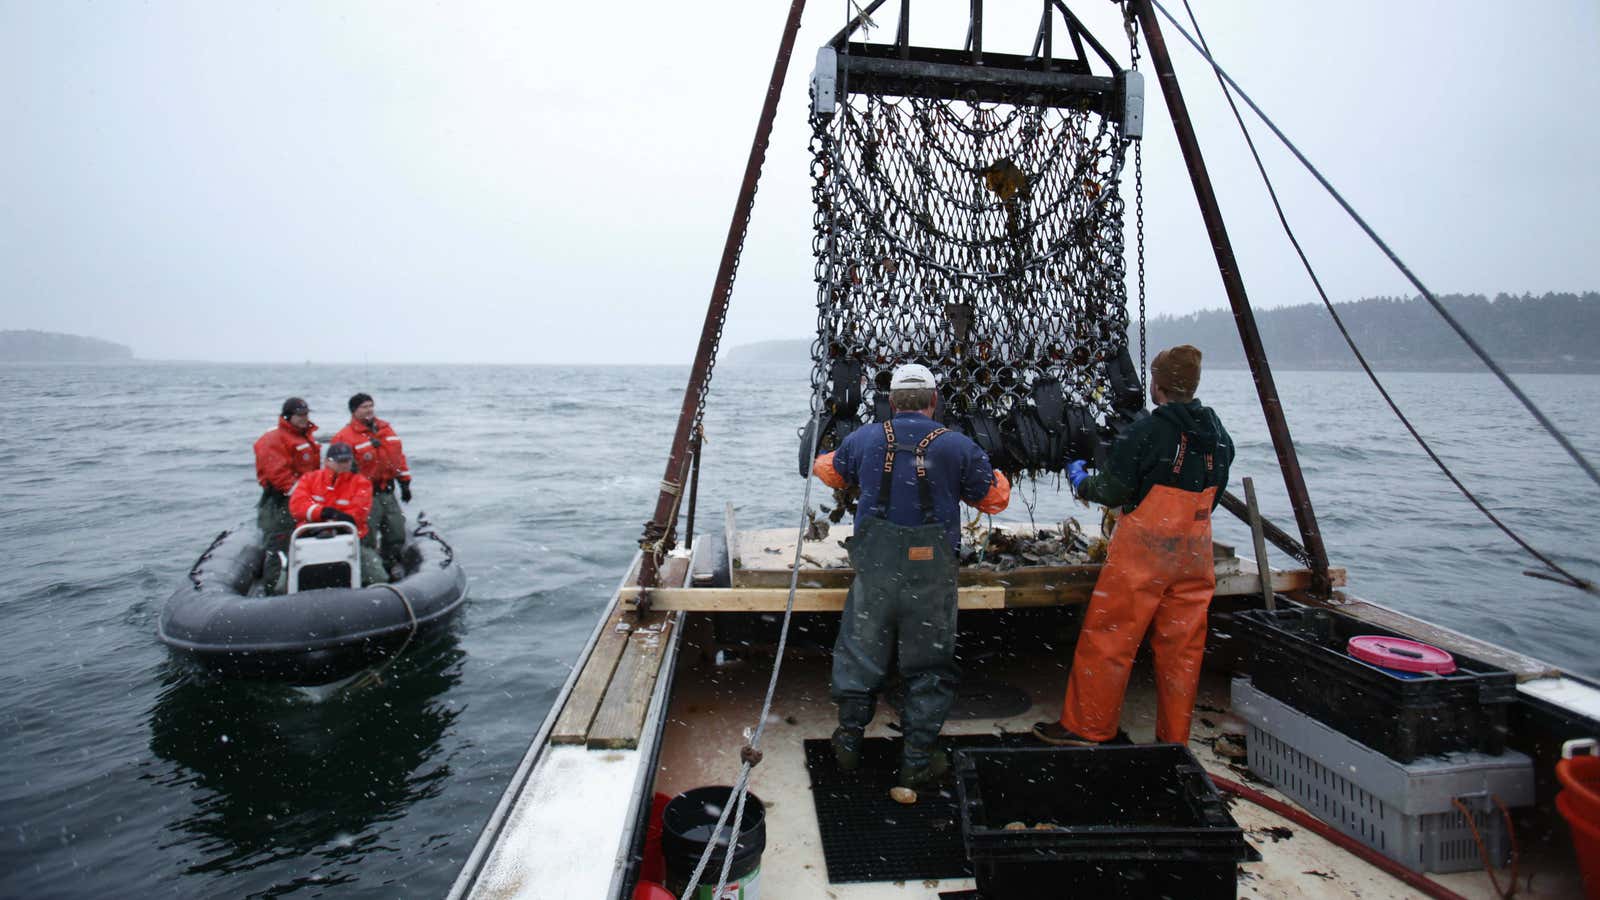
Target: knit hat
(294, 405)
(1177, 369)
(339, 450)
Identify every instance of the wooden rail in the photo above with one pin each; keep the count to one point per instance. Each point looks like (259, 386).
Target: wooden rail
(831, 599)
(607, 705)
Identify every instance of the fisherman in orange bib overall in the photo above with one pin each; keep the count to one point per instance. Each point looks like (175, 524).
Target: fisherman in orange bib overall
(1166, 472)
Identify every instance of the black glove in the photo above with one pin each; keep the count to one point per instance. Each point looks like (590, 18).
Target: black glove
(337, 515)
(405, 491)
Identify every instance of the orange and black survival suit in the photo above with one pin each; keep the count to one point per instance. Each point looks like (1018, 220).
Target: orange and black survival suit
(283, 455)
(1166, 472)
(913, 475)
(380, 457)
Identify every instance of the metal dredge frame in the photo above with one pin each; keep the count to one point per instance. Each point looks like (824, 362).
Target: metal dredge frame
(660, 530)
(969, 218)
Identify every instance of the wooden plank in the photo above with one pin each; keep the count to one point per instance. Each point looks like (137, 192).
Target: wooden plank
(1027, 576)
(620, 720)
(1525, 668)
(730, 534)
(805, 599)
(1063, 590)
(1283, 581)
(572, 727)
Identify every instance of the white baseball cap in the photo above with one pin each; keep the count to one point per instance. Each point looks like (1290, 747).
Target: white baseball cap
(910, 377)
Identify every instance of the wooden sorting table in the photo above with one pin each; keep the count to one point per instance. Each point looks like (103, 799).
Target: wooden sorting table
(760, 572)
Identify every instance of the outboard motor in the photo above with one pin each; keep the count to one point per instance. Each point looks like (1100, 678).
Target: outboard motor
(323, 555)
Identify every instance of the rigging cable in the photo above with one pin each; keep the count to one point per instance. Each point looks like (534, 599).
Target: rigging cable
(1538, 414)
(1566, 577)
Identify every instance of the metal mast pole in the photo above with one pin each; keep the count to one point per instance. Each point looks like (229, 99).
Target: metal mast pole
(658, 531)
(1249, 336)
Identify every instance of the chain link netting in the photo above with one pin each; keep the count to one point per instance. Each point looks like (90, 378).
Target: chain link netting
(982, 240)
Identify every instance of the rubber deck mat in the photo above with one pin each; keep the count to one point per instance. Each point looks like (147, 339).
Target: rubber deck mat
(867, 836)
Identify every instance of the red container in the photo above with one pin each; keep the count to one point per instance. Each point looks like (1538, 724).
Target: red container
(649, 890)
(1580, 776)
(653, 867)
(1585, 842)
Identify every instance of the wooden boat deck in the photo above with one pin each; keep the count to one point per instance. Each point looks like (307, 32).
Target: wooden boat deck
(713, 706)
(655, 708)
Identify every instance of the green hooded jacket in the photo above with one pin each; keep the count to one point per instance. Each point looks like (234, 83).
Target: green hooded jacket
(1142, 457)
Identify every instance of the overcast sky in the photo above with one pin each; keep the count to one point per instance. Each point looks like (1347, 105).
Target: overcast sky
(551, 183)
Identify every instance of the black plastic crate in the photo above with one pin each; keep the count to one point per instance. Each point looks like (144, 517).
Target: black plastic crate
(1300, 659)
(1127, 822)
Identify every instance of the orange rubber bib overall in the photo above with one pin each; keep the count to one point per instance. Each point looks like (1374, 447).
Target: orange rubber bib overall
(1158, 569)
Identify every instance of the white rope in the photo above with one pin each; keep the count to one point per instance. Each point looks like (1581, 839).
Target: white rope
(741, 786)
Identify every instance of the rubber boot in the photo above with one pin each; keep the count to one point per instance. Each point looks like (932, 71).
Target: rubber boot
(847, 748)
(932, 768)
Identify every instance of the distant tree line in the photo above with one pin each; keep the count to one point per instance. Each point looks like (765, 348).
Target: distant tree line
(1526, 333)
(50, 346)
(1557, 332)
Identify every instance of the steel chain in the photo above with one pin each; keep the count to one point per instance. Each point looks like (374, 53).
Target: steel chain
(1138, 198)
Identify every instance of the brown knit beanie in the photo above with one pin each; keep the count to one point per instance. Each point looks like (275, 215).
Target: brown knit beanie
(1177, 369)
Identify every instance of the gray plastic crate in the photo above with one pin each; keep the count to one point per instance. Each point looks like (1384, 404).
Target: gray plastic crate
(1402, 810)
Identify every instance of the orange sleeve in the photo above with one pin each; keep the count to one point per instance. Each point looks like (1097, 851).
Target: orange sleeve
(823, 469)
(999, 495)
(274, 464)
(300, 505)
(403, 468)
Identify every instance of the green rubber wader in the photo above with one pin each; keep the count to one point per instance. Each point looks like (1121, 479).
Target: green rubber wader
(390, 523)
(901, 606)
(272, 516)
(373, 571)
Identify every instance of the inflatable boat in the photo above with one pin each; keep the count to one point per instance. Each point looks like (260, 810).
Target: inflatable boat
(222, 621)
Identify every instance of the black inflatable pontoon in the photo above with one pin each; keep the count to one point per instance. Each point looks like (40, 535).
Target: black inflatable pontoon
(310, 637)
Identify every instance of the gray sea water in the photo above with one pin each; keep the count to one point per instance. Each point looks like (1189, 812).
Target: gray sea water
(121, 775)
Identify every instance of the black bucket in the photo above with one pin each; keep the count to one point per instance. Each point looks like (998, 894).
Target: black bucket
(686, 826)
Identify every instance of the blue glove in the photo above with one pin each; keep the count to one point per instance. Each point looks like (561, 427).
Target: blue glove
(1077, 474)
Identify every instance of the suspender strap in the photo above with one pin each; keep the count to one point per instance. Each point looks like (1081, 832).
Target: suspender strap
(881, 510)
(1178, 460)
(924, 488)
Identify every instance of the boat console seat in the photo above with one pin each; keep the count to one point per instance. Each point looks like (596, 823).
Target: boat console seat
(324, 555)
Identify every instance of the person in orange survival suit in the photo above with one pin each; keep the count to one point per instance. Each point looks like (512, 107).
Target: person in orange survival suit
(282, 456)
(338, 493)
(902, 603)
(1167, 472)
(380, 457)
